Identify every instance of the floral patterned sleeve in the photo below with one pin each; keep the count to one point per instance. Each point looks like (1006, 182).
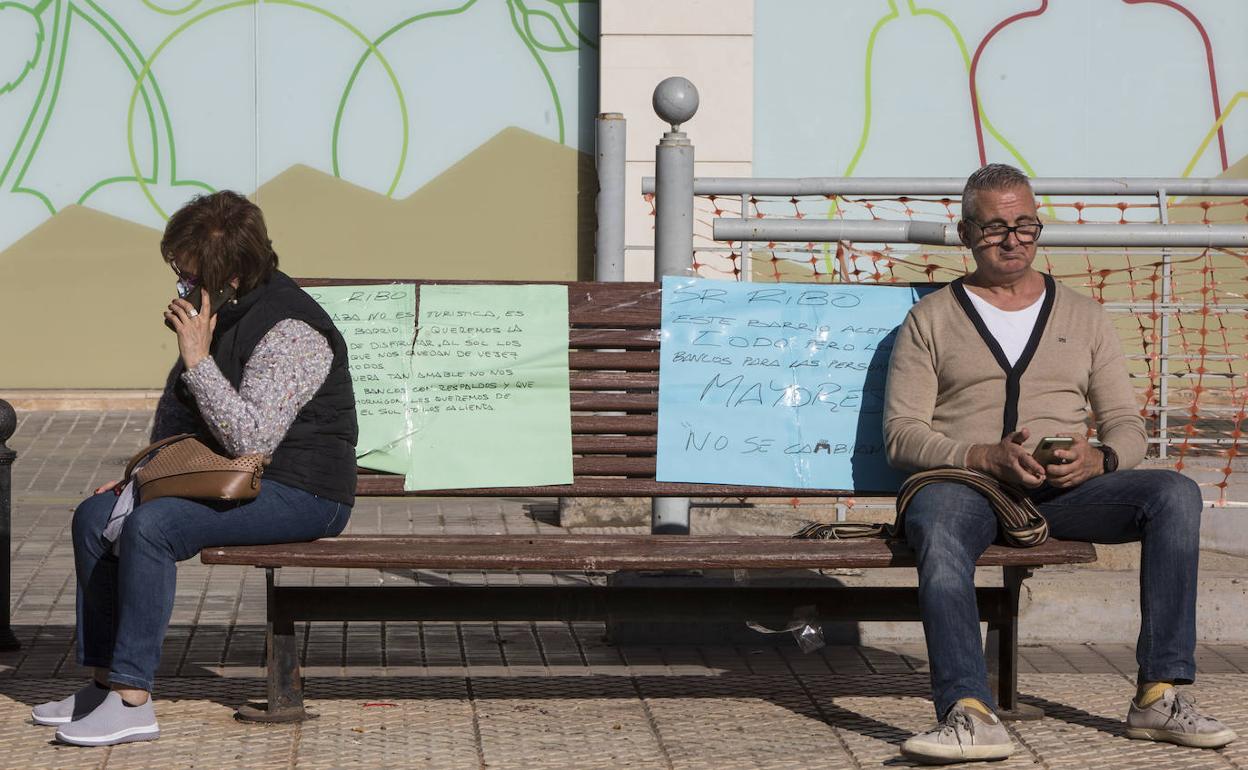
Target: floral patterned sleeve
(288, 366)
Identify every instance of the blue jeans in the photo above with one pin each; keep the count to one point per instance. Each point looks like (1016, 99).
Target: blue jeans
(125, 601)
(949, 526)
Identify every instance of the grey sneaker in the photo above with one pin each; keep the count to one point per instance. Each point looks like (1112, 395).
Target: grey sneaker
(1174, 718)
(76, 706)
(964, 736)
(112, 722)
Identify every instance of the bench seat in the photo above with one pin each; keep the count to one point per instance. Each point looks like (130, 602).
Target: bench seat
(615, 552)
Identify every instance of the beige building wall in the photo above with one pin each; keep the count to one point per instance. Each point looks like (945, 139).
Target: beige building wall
(710, 42)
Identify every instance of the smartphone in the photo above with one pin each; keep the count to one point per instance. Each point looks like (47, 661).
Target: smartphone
(1046, 447)
(215, 301)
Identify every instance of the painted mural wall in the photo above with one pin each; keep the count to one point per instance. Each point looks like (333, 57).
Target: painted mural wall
(1060, 87)
(435, 138)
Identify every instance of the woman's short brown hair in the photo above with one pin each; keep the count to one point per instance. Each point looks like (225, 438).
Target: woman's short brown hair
(218, 237)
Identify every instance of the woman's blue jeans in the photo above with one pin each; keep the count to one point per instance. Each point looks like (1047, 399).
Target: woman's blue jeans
(950, 525)
(125, 601)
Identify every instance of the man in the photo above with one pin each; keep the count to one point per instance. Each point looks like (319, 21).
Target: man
(981, 371)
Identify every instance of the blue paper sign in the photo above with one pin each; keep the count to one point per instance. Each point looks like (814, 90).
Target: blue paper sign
(777, 384)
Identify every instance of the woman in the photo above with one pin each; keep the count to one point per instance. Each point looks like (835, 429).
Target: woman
(261, 370)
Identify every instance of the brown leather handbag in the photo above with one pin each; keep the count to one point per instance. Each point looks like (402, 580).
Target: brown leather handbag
(182, 466)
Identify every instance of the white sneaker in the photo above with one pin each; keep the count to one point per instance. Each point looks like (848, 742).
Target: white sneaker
(76, 706)
(112, 722)
(1173, 718)
(965, 735)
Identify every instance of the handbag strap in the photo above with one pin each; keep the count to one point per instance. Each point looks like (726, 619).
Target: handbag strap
(149, 450)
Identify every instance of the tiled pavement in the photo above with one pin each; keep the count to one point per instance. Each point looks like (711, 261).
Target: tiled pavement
(509, 695)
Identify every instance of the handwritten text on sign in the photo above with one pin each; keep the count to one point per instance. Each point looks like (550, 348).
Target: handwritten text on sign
(490, 387)
(776, 384)
(378, 323)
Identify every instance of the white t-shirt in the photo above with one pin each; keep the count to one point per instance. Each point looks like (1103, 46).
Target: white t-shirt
(1011, 328)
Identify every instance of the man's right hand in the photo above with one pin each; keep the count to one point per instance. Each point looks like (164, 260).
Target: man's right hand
(1007, 461)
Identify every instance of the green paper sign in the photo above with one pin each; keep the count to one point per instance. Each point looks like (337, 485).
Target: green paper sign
(489, 388)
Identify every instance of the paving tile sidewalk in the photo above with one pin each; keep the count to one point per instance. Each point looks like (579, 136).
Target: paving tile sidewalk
(509, 695)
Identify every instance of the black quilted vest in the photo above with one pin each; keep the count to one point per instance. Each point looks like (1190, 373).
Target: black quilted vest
(318, 452)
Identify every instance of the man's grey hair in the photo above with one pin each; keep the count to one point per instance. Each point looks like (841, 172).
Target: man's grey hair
(994, 176)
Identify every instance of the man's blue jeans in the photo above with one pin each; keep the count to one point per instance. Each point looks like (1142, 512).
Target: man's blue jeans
(949, 525)
(125, 601)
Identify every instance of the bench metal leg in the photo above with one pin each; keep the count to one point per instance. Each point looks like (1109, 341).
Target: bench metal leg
(1001, 651)
(285, 684)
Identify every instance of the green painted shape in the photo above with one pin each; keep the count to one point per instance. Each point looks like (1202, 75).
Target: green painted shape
(829, 265)
(983, 115)
(374, 48)
(172, 11)
(138, 82)
(528, 30)
(394, 80)
(229, 6)
(29, 66)
(563, 9)
(75, 10)
(866, 125)
(554, 92)
(147, 103)
(164, 109)
(57, 38)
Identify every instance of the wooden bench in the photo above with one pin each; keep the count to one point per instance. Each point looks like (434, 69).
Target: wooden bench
(614, 361)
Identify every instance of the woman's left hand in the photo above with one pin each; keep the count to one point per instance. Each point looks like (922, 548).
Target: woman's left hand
(194, 328)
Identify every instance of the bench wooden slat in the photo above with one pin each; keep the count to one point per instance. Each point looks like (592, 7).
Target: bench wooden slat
(631, 424)
(614, 402)
(597, 465)
(628, 361)
(612, 552)
(615, 445)
(614, 380)
(639, 339)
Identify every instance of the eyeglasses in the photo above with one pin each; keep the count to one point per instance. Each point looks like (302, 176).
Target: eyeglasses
(994, 234)
(184, 276)
(187, 282)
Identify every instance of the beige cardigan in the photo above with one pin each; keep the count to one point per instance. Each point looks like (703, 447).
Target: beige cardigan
(949, 386)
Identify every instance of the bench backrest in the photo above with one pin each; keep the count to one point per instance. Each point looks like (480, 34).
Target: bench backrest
(613, 355)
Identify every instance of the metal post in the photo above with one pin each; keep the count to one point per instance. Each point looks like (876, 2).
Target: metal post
(609, 240)
(1163, 345)
(675, 101)
(8, 425)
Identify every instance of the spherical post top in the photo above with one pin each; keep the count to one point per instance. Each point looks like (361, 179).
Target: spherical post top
(675, 100)
(8, 421)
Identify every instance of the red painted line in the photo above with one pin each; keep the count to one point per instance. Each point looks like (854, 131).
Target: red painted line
(1213, 75)
(979, 128)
